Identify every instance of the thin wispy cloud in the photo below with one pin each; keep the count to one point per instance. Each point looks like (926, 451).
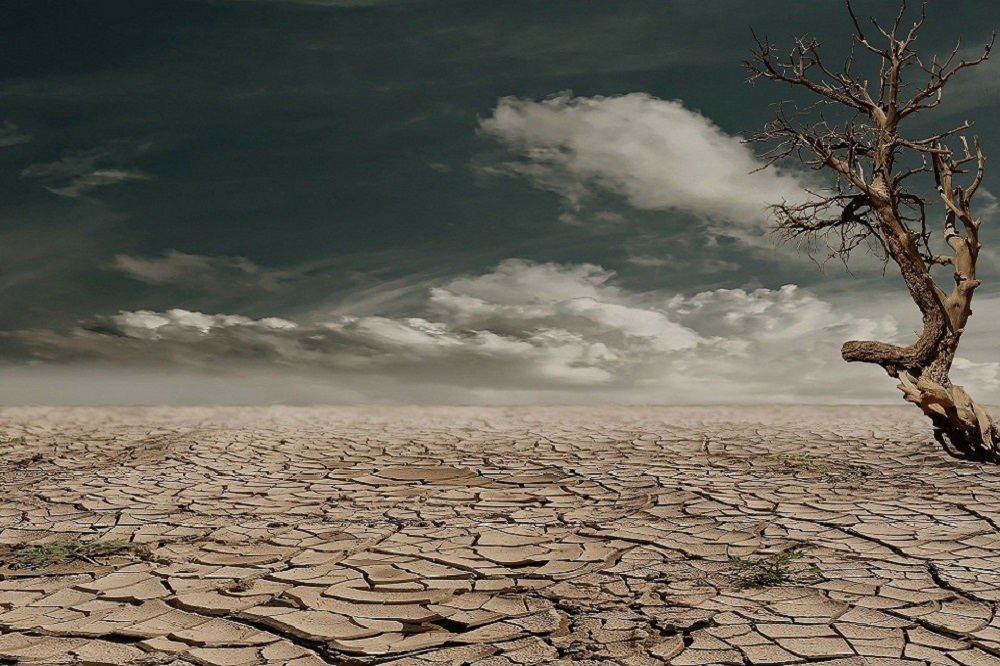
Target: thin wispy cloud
(200, 272)
(78, 173)
(972, 88)
(11, 135)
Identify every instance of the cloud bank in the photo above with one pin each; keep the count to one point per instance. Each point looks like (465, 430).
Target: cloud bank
(523, 332)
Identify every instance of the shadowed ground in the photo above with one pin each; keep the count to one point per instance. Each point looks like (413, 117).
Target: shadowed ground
(496, 536)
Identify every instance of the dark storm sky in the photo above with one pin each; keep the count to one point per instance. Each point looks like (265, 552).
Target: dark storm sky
(346, 168)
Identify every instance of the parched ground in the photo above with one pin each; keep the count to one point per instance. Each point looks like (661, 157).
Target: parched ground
(450, 536)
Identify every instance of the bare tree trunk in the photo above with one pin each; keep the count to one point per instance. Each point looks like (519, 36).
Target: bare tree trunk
(923, 369)
(871, 205)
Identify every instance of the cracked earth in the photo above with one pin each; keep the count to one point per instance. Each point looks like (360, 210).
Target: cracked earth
(495, 537)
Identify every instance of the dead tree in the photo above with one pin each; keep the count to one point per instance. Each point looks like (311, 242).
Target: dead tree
(855, 130)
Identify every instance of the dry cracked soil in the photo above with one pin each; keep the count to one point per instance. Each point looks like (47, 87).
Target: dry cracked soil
(493, 537)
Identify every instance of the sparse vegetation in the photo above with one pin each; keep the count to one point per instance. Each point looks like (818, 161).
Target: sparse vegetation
(37, 556)
(777, 569)
(831, 470)
(6, 440)
(239, 585)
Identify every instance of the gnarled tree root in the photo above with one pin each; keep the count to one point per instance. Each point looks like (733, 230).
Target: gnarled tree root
(958, 421)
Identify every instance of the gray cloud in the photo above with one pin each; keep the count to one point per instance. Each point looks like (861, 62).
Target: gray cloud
(204, 273)
(523, 329)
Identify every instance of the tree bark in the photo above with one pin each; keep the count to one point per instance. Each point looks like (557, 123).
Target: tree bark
(923, 368)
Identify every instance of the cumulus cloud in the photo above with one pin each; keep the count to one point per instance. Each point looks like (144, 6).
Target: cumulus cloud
(780, 345)
(657, 154)
(525, 331)
(195, 271)
(147, 325)
(781, 315)
(521, 296)
(77, 173)
(11, 135)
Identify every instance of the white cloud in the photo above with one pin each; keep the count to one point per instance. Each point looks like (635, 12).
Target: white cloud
(520, 296)
(558, 333)
(781, 315)
(77, 173)
(195, 271)
(781, 345)
(516, 281)
(655, 153)
(156, 325)
(10, 135)
(969, 373)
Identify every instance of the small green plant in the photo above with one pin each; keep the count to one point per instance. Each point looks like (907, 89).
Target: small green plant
(37, 556)
(832, 471)
(777, 569)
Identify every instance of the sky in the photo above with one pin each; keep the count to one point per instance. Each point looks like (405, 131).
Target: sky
(435, 201)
